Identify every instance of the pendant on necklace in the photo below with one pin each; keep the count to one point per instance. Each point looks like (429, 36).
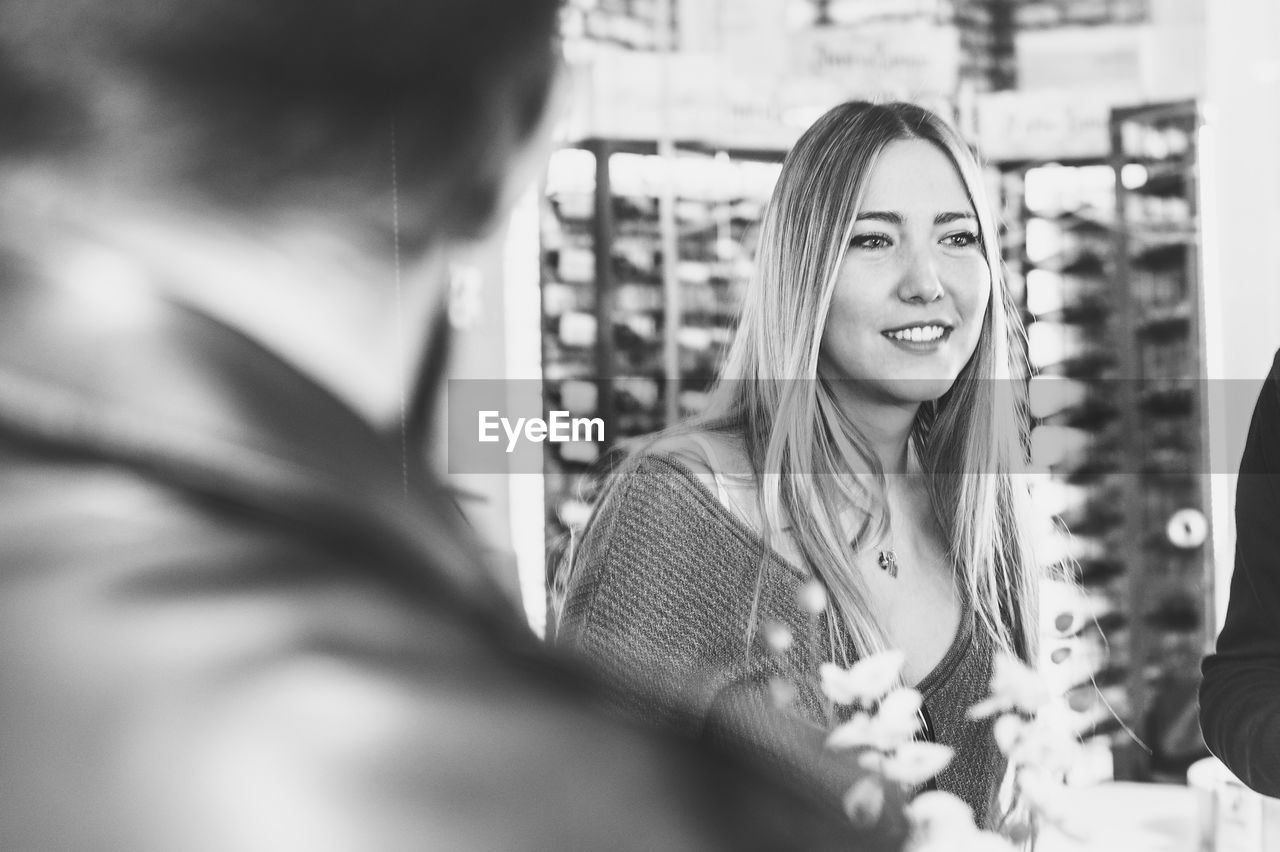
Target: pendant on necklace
(889, 562)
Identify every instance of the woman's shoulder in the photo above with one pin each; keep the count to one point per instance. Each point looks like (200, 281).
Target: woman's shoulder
(668, 482)
(671, 495)
(702, 451)
(717, 460)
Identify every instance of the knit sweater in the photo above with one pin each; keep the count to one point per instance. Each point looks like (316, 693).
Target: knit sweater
(661, 598)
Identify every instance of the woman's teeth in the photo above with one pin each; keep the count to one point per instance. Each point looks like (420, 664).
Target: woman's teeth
(919, 334)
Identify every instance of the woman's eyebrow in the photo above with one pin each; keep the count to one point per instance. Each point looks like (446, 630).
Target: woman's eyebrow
(882, 216)
(895, 218)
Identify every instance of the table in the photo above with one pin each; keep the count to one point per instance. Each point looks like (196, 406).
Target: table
(1129, 817)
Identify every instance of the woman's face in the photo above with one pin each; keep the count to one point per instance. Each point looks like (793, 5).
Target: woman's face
(914, 286)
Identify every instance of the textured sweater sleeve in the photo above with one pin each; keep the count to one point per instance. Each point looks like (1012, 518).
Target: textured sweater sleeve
(1240, 693)
(657, 597)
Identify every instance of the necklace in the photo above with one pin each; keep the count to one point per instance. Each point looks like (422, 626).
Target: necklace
(889, 562)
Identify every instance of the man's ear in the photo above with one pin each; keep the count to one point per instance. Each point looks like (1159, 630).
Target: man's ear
(514, 152)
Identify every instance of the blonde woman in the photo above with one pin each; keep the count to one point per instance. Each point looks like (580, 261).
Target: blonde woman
(863, 435)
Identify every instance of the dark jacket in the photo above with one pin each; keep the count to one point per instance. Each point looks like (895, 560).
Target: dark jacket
(1240, 694)
(226, 624)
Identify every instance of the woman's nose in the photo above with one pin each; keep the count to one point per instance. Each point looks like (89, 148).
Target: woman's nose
(919, 281)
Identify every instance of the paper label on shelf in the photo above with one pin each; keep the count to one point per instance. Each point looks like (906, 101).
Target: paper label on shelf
(1048, 125)
(910, 61)
(862, 11)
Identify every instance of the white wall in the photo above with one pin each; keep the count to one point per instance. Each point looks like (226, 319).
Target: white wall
(1241, 192)
(496, 309)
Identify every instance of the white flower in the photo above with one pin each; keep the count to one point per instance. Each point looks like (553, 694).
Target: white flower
(866, 682)
(858, 732)
(778, 636)
(939, 814)
(1013, 687)
(1042, 747)
(864, 801)
(1046, 742)
(916, 762)
(898, 717)
(872, 761)
(1007, 731)
(813, 597)
(895, 722)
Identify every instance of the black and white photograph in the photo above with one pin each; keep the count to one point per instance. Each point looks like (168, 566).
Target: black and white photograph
(640, 425)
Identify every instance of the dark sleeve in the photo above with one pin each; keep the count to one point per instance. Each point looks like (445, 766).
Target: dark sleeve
(1240, 693)
(171, 671)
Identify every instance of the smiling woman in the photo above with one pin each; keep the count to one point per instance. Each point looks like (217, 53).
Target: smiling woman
(859, 443)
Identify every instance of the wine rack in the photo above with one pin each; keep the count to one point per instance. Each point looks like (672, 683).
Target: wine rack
(1059, 219)
(627, 338)
(1105, 252)
(1166, 542)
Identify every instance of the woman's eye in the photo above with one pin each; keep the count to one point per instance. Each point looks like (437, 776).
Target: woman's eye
(869, 241)
(961, 239)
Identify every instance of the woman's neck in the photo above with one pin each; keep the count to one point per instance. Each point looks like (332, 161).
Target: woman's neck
(887, 428)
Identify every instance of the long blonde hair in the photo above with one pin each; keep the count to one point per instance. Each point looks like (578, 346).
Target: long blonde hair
(807, 457)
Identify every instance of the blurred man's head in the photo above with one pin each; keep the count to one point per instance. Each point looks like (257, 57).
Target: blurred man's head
(278, 164)
(256, 102)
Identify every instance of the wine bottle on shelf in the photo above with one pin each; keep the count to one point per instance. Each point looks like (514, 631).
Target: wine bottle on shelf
(576, 329)
(1078, 351)
(1167, 397)
(1092, 414)
(1161, 255)
(578, 452)
(636, 394)
(1086, 311)
(1176, 613)
(1100, 571)
(579, 397)
(630, 208)
(636, 332)
(576, 265)
(1067, 450)
(1049, 291)
(1097, 516)
(574, 206)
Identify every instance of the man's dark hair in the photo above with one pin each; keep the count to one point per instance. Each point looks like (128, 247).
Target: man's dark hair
(261, 92)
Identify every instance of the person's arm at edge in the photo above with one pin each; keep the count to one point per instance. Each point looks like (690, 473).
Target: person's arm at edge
(1240, 693)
